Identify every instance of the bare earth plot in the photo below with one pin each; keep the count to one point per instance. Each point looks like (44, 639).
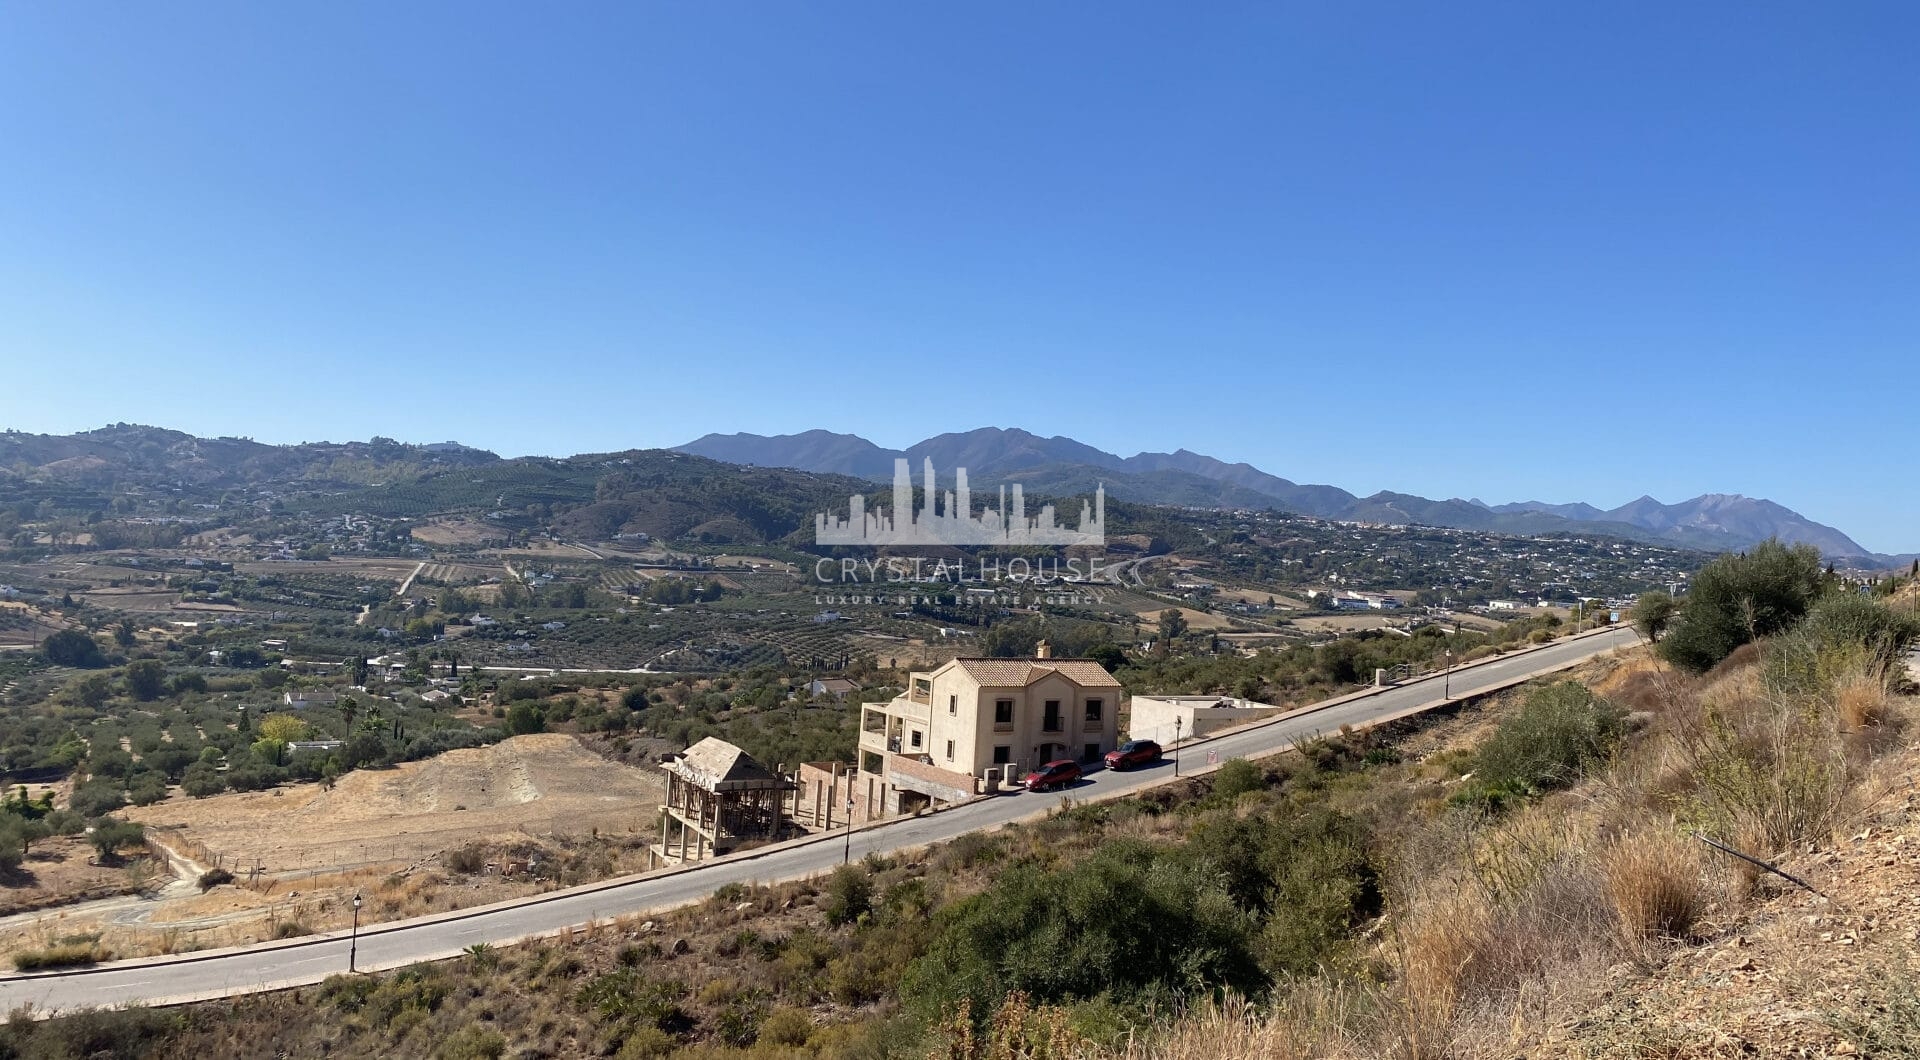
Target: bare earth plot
(1196, 620)
(536, 785)
(1345, 623)
(458, 532)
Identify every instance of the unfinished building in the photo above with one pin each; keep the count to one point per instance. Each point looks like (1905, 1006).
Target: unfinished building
(717, 798)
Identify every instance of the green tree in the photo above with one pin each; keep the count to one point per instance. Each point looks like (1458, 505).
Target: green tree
(284, 728)
(524, 718)
(96, 798)
(111, 835)
(70, 647)
(202, 779)
(1173, 626)
(146, 679)
(147, 789)
(1737, 598)
(1652, 613)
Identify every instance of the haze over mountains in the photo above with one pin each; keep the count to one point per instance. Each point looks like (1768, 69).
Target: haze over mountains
(1063, 466)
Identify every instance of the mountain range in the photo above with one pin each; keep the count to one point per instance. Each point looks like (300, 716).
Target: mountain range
(1060, 466)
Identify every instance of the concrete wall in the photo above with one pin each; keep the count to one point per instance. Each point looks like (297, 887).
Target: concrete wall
(1154, 717)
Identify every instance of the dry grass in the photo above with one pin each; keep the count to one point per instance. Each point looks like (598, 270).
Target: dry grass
(1653, 881)
(1861, 701)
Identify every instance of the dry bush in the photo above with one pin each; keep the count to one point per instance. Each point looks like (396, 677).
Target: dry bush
(1861, 701)
(1653, 882)
(1317, 1020)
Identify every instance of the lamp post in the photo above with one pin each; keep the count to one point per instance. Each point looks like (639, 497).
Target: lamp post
(1446, 684)
(1176, 746)
(353, 943)
(847, 858)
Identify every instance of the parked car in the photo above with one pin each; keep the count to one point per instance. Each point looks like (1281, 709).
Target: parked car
(1133, 753)
(1053, 775)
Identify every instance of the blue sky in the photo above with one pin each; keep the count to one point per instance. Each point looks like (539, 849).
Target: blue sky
(1514, 251)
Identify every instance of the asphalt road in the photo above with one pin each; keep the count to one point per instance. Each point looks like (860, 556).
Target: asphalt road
(277, 965)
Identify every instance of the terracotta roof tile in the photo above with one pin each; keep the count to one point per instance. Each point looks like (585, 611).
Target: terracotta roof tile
(1019, 673)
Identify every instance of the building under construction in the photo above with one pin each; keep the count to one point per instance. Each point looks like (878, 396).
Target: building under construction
(717, 798)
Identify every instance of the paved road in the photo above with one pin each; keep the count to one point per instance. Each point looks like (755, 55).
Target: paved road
(238, 971)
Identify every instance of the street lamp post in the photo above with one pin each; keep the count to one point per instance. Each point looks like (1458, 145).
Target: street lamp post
(847, 858)
(1446, 683)
(1176, 746)
(353, 943)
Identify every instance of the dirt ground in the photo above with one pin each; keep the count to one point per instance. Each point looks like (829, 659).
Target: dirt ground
(536, 785)
(58, 869)
(458, 532)
(1346, 623)
(1196, 620)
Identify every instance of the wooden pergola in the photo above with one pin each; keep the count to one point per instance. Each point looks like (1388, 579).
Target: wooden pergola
(717, 797)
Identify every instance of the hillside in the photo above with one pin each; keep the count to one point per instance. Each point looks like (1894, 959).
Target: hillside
(1714, 522)
(1518, 876)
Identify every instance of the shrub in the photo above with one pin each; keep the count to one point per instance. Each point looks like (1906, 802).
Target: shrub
(472, 1042)
(1237, 777)
(1653, 881)
(64, 955)
(1129, 919)
(213, 878)
(786, 1026)
(1559, 732)
(467, 859)
(849, 895)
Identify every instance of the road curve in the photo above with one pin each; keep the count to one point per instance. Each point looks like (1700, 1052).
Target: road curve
(223, 973)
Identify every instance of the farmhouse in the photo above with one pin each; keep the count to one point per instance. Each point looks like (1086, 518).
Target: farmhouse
(832, 687)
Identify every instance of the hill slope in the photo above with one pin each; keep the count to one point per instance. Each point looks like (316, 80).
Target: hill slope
(1712, 521)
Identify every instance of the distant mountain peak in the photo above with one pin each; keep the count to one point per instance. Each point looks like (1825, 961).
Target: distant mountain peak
(1719, 521)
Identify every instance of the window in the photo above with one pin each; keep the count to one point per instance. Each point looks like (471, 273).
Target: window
(1002, 755)
(953, 707)
(1091, 752)
(916, 739)
(1003, 713)
(1050, 721)
(949, 750)
(1094, 707)
(870, 762)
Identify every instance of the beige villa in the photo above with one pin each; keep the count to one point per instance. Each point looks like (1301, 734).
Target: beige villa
(933, 743)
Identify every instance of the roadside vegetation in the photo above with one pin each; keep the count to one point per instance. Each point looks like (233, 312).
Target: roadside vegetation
(1465, 888)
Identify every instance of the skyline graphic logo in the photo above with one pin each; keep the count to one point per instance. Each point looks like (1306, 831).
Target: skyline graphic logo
(954, 522)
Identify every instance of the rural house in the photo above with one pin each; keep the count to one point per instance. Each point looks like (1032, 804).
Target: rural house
(932, 743)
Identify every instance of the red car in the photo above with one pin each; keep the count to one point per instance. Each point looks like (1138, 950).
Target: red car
(1133, 753)
(1053, 775)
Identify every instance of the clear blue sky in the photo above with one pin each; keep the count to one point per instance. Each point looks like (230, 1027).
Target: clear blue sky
(1514, 251)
